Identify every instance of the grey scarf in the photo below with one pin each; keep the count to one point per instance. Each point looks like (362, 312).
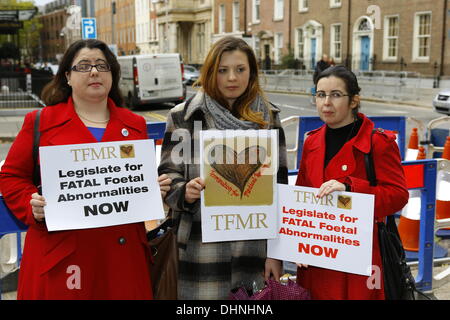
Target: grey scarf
(223, 119)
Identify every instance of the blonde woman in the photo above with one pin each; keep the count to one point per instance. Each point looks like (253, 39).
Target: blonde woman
(230, 98)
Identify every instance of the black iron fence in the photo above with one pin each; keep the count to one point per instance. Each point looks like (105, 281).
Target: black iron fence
(22, 88)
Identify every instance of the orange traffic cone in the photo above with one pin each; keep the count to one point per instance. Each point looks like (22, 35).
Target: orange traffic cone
(413, 146)
(443, 188)
(409, 224)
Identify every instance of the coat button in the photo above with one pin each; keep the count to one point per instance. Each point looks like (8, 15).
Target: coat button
(122, 240)
(344, 167)
(125, 132)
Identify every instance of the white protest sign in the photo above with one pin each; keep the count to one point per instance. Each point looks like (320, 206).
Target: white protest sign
(100, 184)
(334, 232)
(240, 197)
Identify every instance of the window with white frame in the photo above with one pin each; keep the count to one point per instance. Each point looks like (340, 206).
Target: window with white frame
(391, 32)
(279, 10)
(201, 38)
(300, 44)
(303, 5)
(222, 18)
(336, 42)
(236, 16)
(255, 11)
(422, 37)
(256, 46)
(335, 3)
(278, 47)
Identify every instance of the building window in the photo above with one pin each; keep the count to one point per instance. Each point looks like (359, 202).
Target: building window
(201, 38)
(335, 3)
(222, 18)
(391, 32)
(279, 10)
(364, 25)
(278, 47)
(336, 42)
(422, 37)
(256, 12)
(236, 16)
(300, 44)
(303, 5)
(256, 46)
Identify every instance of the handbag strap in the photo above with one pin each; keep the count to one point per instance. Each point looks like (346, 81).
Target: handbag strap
(36, 138)
(370, 169)
(371, 176)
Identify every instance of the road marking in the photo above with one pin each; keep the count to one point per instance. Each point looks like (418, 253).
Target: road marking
(395, 111)
(156, 116)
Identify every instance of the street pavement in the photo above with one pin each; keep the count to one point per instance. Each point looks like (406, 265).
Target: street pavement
(11, 122)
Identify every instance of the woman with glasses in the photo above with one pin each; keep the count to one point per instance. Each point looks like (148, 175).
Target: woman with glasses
(333, 160)
(98, 263)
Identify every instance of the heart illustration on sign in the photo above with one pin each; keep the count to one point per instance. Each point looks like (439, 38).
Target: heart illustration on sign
(127, 151)
(344, 202)
(234, 167)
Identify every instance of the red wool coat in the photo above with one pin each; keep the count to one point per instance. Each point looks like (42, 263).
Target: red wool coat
(391, 196)
(99, 263)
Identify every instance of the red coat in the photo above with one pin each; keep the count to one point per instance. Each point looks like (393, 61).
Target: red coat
(391, 196)
(111, 262)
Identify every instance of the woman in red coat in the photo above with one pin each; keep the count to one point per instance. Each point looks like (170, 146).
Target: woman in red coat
(98, 263)
(333, 160)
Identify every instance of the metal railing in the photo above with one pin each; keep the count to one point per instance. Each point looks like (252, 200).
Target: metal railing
(19, 91)
(388, 85)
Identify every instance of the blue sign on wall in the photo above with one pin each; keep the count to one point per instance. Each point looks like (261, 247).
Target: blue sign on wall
(89, 28)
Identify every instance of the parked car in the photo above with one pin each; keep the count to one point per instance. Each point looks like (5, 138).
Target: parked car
(190, 74)
(441, 102)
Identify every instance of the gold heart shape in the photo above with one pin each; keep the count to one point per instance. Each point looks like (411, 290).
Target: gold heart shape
(126, 149)
(236, 168)
(344, 202)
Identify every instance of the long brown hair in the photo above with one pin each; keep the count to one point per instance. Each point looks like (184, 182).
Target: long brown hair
(58, 90)
(208, 79)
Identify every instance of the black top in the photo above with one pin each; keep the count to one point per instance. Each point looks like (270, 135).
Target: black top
(336, 138)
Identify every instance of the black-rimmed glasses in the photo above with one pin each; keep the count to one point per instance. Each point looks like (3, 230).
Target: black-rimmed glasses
(84, 67)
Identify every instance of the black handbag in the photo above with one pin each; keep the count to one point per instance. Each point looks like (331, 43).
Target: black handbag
(399, 284)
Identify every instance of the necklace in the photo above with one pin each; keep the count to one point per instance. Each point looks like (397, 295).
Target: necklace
(93, 121)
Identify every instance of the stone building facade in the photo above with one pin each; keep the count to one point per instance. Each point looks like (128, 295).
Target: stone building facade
(52, 40)
(185, 27)
(373, 35)
(269, 23)
(368, 35)
(116, 24)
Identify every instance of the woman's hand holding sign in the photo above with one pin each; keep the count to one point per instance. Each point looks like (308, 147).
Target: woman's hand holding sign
(164, 184)
(38, 203)
(330, 186)
(193, 189)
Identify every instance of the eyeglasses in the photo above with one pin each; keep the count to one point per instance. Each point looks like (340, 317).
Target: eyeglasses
(83, 67)
(334, 96)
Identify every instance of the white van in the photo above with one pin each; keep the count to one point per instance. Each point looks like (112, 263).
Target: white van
(151, 78)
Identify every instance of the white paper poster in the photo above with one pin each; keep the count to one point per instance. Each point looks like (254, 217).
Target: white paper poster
(100, 184)
(334, 232)
(240, 171)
